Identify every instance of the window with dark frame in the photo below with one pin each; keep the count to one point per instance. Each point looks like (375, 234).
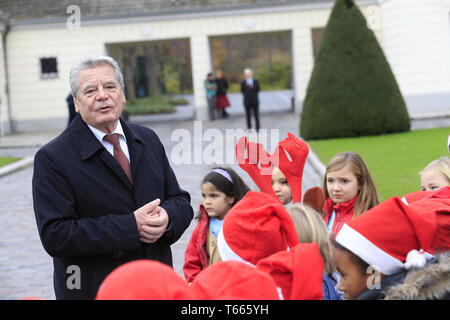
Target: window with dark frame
(49, 68)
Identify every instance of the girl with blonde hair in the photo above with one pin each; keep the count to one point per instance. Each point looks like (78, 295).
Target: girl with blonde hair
(436, 174)
(349, 190)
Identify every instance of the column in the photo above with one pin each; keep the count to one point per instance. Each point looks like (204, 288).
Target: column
(201, 65)
(302, 63)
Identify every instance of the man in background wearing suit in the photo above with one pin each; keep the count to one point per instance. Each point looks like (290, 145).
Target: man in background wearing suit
(103, 191)
(250, 90)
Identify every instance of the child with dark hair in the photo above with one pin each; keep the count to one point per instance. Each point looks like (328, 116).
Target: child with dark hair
(352, 270)
(221, 189)
(384, 254)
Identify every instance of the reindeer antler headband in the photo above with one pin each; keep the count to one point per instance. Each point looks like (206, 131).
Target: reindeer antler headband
(259, 164)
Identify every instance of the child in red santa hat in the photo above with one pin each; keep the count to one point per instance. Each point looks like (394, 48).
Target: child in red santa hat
(377, 253)
(255, 228)
(144, 280)
(234, 280)
(298, 272)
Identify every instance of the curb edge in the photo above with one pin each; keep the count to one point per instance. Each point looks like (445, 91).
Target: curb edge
(16, 166)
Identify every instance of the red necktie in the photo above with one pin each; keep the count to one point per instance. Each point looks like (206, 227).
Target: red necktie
(119, 155)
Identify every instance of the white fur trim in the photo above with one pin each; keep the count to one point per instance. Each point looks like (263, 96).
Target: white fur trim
(225, 252)
(428, 256)
(280, 293)
(405, 201)
(415, 260)
(367, 251)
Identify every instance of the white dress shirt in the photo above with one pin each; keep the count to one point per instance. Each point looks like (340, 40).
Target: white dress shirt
(109, 146)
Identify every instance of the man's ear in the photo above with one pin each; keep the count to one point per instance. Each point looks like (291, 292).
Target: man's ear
(75, 102)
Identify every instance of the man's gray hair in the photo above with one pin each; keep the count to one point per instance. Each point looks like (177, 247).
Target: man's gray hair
(89, 62)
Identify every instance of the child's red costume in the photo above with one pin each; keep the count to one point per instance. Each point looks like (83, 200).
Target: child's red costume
(195, 257)
(343, 213)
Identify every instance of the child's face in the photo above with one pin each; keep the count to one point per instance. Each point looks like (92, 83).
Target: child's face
(215, 202)
(353, 281)
(280, 186)
(342, 185)
(433, 180)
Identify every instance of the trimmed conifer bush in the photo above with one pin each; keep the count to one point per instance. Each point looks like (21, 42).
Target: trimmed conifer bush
(352, 90)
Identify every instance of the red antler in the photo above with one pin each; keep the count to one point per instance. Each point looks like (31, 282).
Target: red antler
(293, 169)
(258, 164)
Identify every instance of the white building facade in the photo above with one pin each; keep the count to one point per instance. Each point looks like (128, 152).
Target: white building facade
(415, 36)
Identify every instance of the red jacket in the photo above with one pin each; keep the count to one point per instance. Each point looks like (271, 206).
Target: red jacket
(343, 213)
(195, 257)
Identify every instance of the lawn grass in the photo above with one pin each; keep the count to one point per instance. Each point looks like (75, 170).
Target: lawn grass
(7, 160)
(394, 160)
(154, 105)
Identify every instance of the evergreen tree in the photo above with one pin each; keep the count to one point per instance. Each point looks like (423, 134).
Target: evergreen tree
(352, 90)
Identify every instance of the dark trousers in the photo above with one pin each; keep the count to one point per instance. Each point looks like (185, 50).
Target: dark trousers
(249, 109)
(211, 107)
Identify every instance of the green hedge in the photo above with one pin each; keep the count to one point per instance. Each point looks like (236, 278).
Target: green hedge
(352, 90)
(154, 105)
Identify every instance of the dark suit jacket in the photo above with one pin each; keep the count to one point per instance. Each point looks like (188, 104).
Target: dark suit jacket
(84, 204)
(250, 93)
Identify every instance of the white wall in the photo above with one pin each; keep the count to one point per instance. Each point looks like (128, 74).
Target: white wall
(34, 98)
(416, 36)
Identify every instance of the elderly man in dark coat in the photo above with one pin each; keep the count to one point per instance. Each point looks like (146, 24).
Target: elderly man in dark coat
(250, 90)
(104, 193)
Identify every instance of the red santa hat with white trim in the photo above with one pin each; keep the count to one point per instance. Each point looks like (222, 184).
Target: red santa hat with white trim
(441, 193)
(144, 280)
(234, 280)
(255, 228)
(435, 207)
(389, 235)
(435, 204)
(298, 272)
(414, 196)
